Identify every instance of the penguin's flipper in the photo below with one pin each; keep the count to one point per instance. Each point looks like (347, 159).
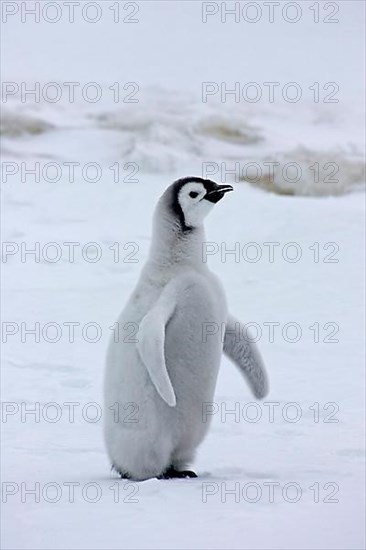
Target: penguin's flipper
(244, 353)
(150, 346)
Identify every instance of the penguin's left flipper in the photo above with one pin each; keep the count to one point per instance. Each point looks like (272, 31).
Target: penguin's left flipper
(245, 355)
(150, 346)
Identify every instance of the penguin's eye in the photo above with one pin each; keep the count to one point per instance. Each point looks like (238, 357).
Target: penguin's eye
(193, 194)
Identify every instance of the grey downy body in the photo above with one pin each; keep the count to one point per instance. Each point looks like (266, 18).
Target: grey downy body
(158, 379)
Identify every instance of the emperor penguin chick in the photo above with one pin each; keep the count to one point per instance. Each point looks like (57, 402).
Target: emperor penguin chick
(158, 380)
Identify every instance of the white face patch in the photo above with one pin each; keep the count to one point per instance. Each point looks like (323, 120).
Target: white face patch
(194, 208)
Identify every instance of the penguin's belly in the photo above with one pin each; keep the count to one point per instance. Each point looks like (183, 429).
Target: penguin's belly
(193, 348)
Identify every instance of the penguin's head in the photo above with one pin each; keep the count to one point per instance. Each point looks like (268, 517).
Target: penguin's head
(192, 198)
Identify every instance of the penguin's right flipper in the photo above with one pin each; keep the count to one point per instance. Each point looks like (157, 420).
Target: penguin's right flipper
(244, 353)
(150, 346)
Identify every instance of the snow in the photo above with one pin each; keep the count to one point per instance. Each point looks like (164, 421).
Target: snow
(168, 134)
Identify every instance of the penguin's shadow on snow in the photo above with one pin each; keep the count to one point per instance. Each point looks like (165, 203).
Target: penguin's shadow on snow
(218, 476)
(224, 474)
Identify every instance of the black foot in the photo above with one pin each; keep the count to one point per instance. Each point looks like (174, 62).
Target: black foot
(171, 473)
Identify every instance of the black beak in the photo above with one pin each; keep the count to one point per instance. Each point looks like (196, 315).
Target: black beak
(218, 192)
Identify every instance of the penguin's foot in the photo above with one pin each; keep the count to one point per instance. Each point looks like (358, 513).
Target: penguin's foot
(171, 473)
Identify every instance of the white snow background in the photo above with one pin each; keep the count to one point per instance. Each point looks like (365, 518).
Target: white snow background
(168, 133)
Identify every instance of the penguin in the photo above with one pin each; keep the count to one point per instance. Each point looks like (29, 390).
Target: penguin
(164, 366)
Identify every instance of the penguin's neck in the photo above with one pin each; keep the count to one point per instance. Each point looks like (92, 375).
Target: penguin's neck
(172, 247)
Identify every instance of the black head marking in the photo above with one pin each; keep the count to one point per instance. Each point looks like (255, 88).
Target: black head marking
(209, 185)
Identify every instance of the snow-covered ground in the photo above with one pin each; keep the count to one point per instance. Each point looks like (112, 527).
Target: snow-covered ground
(286, 473)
